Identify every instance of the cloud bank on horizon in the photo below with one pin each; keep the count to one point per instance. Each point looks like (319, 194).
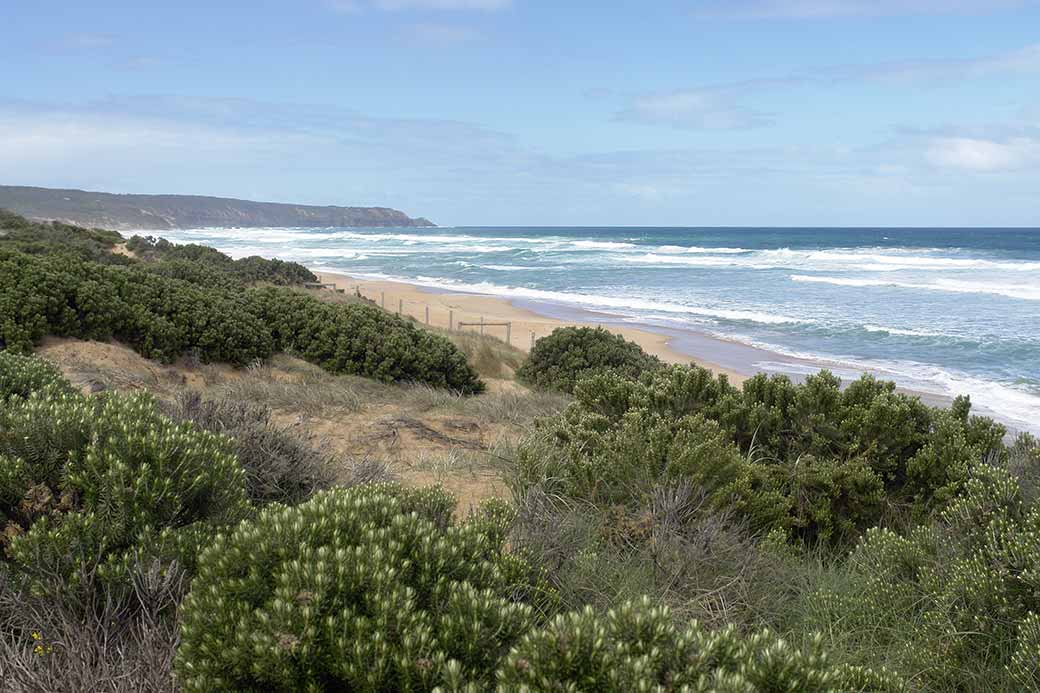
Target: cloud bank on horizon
(684, 112)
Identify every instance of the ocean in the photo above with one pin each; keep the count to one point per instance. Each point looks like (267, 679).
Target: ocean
(941, 311)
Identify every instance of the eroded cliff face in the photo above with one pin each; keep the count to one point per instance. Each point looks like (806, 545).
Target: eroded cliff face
(186, 211)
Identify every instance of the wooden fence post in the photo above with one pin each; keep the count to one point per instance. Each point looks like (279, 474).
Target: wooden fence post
(451, 320)
(481, 324)
(509, 333)
(427, 315)
(382, 300)
(532, 340)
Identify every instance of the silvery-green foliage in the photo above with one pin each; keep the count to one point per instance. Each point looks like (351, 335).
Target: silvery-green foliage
(22, 375)
(638, 647)
(954, 601)
(369, 588)
(103, 478)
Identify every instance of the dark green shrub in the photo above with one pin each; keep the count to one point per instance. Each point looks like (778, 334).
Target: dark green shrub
(637, 647)
(20, 376)
(42, 238)
(616, 462)
(823, 462)
(212, 264)
(567, 355)
(279, 466)
(370, 588)
(358, 339)
(100, 479)
(162, 317)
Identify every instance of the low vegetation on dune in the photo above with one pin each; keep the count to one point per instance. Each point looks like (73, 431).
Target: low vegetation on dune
(194, 299)
(559, 361)
(231, 522)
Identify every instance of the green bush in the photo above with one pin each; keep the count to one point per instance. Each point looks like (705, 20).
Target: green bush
(375, 588)
(637, 647)
(162, 317)
(618, 462)
(103, 479)
(20, 376)
(370, 588)
(955, 601)
(359, 339)
(559, 361)
(42, 238)
(212, 264)
(822, 462)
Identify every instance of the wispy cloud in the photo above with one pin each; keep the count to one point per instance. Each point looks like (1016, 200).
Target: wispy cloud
(707, 108)
(454, 172)
(400, 5)
(730, 106)
(1023, 60)
(983, 155)
(828, 9)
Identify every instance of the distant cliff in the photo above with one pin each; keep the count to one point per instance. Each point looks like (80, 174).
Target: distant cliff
(159, 212)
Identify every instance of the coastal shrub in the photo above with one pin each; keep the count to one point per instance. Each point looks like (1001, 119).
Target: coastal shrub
(371, 588)
(358, 339)
(20, 376)
(215, 266)
(102, 479)
(279, 466)
(821, 462)
(638, 647)
(608, 463)
(955, 601)
(41, 238)
(703, 565)
(162, 317)
(559, 361)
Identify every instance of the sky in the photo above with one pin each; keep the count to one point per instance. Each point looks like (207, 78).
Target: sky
(532, 112)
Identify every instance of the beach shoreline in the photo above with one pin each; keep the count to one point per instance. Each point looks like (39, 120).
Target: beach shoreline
(531, 320)
(528, 321)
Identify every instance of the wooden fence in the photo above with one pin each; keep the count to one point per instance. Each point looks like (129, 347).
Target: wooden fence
(404, 309)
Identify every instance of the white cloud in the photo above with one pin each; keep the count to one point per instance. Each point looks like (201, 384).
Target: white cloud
(708, 108)
(826, 9)
(983, 155)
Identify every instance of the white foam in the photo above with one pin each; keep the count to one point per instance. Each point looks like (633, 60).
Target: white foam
(675, 249)
(596, 301)
(902, 332)
(1013, 405)
(697, 261)
(1019, 291)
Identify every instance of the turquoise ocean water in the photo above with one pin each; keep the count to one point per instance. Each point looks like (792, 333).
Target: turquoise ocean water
(944, 311)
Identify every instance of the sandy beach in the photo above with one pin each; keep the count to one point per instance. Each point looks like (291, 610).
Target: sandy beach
(448, 310)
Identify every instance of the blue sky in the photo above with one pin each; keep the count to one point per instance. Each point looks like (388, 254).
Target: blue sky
(517, 112)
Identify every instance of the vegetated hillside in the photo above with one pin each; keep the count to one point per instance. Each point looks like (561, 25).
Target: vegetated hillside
(196, 526)
(159, 212)
(194, 299)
